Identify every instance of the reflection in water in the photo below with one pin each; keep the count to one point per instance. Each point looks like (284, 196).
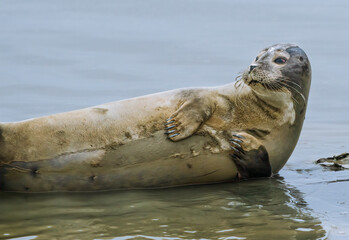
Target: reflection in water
(263, 209)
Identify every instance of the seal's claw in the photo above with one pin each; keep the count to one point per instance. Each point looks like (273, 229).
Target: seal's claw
(235, 143)
(236, 140)
(170, 127)
(235, 149)
(167, 123)
(173, 135)
(238, 150)
(238, 136)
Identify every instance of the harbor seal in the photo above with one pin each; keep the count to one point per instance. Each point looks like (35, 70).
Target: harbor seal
(245, 129)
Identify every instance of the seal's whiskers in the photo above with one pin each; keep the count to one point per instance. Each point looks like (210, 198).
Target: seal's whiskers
(238, 86)
(288, 81)
(297, 91)
(284, 90)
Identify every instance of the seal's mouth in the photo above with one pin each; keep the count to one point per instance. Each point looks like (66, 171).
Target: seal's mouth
(252, 81)
(248, 79)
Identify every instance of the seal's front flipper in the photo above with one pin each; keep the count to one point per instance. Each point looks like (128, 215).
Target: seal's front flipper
(187, 119)
(250, 157)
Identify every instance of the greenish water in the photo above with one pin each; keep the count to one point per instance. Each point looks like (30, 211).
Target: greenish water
(265, 209)
(65, 55)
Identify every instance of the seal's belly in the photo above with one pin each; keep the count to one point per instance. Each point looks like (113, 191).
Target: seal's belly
(144, 163)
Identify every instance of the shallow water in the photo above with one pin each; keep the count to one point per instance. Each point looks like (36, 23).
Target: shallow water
(65, 55)
(253, 210)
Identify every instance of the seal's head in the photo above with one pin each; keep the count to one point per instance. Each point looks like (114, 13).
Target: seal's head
(280, 67)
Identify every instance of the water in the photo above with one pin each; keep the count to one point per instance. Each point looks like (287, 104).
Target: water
(65, 55)
(253, 210)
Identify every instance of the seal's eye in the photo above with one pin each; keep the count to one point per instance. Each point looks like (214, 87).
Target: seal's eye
(280, 60)
(256, 59)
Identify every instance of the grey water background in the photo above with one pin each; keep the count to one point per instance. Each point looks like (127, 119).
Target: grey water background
(64, 55)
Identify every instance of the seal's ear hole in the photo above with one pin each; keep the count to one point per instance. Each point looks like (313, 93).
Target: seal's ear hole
(301, 59)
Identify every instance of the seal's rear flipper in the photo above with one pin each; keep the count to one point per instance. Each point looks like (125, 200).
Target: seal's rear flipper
(250, 157)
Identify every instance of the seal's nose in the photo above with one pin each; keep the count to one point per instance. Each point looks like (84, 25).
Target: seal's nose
(252, 67)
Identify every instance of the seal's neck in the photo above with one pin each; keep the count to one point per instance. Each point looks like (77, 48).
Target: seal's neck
(278, 99)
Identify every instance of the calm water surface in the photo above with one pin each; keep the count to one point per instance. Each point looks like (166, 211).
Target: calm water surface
(64, 55)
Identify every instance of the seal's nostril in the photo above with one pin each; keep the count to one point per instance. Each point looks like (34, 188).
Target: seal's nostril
(252, 67)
